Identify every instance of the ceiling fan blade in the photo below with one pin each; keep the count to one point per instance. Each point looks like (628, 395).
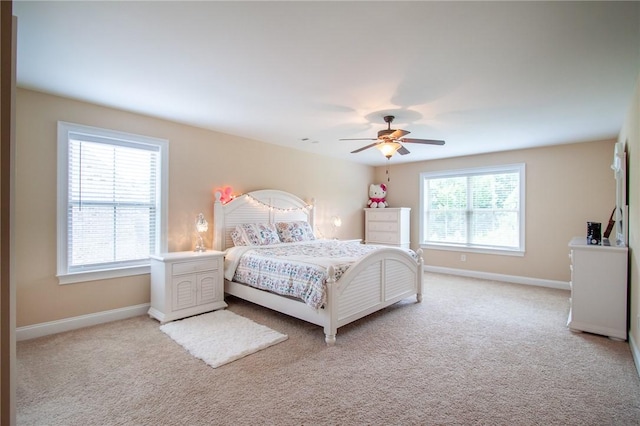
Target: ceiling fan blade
(424, 141)
(359, 139)
(403, 151)
(398, 134)
(364, 147)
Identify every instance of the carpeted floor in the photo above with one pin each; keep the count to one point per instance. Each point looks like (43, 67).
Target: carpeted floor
(472, 353)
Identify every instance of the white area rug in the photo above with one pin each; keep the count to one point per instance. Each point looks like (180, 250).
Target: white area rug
(220, 337)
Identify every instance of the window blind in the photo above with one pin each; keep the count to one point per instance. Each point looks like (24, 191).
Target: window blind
(112, 202)
(474, 208)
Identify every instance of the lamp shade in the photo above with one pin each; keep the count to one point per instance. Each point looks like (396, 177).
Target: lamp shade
(336, 221)
(389, 148)
(201, 226)
(201, 223)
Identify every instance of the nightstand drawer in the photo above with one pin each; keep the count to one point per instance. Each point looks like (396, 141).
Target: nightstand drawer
(195, 266)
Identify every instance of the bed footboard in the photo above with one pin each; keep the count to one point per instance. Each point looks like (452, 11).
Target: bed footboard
(394, 275)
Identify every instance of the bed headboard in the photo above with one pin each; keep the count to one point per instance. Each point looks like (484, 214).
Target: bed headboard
(264, 206)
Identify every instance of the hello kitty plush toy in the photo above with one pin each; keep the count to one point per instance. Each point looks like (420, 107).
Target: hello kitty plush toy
(377, 196)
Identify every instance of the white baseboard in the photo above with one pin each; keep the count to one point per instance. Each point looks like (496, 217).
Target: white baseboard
(562, 285)
(52, 327)
(67, 324)
(635, 352)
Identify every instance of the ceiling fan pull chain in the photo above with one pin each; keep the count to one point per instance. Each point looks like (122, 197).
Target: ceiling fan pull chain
(388, 161)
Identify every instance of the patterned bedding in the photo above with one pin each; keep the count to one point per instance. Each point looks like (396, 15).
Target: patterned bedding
(296, 269)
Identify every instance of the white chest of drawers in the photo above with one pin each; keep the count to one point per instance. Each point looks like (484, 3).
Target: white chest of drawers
(598, 289)
(388, 226)
(186, 283)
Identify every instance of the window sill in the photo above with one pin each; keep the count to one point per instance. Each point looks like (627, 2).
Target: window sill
(466, 249)
(79, 277)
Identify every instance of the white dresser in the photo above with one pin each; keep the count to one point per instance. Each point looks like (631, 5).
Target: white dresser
(388, 226)
(186, 283)
(598, 289)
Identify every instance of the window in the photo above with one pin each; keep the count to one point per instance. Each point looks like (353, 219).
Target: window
(474, 210)
(112, 192)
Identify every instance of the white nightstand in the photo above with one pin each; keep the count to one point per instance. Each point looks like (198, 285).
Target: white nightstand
(186, 283)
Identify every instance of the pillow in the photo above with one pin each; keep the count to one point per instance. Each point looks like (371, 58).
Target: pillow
(290, 232)
(256, 234)
(238, 238)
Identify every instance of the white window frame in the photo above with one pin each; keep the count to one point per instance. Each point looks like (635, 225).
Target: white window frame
(64, 131)
(519, 251)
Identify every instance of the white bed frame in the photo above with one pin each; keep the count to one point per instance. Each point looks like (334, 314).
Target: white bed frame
(379, 279)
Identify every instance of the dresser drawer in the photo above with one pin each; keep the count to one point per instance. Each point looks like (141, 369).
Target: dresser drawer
(383, 237)
(382, 215)
(383, 226)
(195, 266)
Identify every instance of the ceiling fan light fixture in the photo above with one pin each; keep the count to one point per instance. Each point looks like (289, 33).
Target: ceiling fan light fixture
(388, 140)
(389, 148)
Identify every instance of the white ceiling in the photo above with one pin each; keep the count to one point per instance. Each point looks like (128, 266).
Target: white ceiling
(484, 76)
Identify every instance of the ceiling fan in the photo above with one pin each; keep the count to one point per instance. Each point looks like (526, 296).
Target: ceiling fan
(389, 140)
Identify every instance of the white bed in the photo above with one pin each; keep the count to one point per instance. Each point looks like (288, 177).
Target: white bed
(379, 279)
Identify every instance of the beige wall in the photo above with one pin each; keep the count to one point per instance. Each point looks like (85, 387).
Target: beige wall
(630, 136)
(199, 162)
(566, 186)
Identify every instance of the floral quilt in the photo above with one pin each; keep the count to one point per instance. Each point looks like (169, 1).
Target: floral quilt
(296, 269)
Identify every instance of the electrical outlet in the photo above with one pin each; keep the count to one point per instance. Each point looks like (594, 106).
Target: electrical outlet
(463, 257)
